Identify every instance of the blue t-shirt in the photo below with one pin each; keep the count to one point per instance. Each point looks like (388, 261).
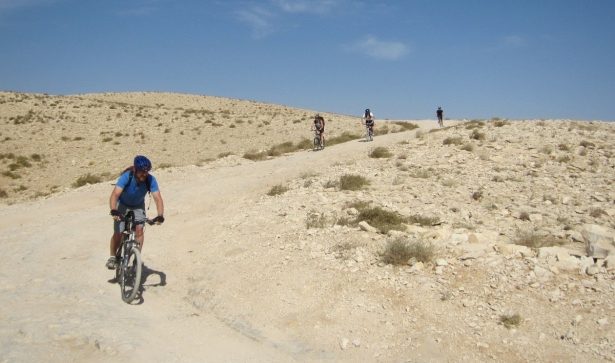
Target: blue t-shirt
(133, 195)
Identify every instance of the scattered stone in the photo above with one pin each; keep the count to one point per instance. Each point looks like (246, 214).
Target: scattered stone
(441, 262)
(598, 240)
(366, 227)
(344, 343)
(609, 262)
(593, 270)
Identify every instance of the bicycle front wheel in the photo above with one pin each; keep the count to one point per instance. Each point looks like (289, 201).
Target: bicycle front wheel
(130, 275)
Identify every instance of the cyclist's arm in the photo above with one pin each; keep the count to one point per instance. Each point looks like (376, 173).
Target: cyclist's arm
(115, 196)
(159, 203)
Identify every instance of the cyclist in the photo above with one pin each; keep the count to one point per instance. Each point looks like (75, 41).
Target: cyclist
(319, 126)
(129, 194)
(368, 120)
(440, 113)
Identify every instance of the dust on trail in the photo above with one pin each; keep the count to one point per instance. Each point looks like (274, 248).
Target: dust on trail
(57, 303)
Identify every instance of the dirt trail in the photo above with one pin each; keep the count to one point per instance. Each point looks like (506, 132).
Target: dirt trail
(55, 301)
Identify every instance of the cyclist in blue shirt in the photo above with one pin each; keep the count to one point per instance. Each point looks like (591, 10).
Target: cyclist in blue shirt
(129, 194)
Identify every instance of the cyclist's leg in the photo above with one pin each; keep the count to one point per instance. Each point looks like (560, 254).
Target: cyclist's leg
(118, 226)
(139, 221)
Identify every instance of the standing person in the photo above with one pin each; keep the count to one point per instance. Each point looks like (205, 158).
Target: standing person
(440, 113)
(368, 121)
(129, 194)
(319, 125)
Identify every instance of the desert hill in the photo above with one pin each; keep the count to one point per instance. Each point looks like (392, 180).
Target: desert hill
(53, 143)
(482, 241)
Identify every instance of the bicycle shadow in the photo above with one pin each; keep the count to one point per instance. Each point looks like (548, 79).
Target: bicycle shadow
(146, 272)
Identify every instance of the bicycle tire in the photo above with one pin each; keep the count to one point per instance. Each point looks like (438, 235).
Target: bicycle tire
(316, 143)
(130, 275)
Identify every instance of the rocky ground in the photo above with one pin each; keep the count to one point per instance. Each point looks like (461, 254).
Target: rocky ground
(482, 241)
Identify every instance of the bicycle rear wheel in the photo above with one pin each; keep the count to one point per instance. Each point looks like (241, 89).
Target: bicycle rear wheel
(130, 274)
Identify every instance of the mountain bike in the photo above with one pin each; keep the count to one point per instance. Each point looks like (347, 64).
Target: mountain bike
(369, 133)
(319, 143)
(128, 256)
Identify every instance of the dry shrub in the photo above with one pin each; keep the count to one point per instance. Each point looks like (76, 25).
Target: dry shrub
(468, 147)
(224, 154)
(399, 252)
(500, 123)
(255, 155)
(421, 174)
(344, 137)
(380, 152)
(510, 320)
(474, 124)
(597, 212)
(87, 179)
(477, 135)
(422, 220)
(382, 219)
(277, 190)
(587, 144)
(535, 240)
(317, 220)
(452, 141)
(352, 182)
(406, 125)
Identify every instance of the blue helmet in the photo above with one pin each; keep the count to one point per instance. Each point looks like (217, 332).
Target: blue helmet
(142, 163)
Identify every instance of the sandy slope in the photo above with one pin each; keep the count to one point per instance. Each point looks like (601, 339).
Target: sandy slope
(56, 301)
(234, 274)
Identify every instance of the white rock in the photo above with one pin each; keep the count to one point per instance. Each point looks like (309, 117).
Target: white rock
(592, 270)
(609, 262)
(344, 343)
(366, 227)
(536, 218)
(598, 240)
(441, 262)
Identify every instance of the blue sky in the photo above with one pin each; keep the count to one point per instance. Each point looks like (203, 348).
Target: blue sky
(402, 59)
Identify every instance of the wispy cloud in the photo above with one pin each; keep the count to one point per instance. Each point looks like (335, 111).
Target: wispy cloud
(307, 6)
(379, 49)
(138, 11)
(513, 41)
(14, 4)
(259, 19)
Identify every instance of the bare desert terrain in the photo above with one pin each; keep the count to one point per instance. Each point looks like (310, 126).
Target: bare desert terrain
(487, 240)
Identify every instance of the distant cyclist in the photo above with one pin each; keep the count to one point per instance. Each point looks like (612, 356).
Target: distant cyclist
(129, 195)
(368, 120)
(319, 126)
(440, 113)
